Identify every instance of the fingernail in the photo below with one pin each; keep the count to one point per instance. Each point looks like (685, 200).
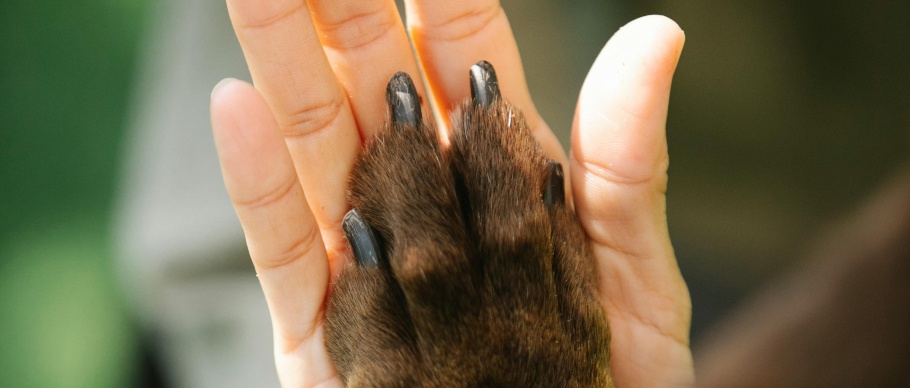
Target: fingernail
(403, 101)
(554, 191)
(362, 239)
(484, 84)
(220, 85)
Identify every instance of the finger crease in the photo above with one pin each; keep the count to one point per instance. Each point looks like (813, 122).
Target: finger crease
(277, 17)
(606, 173)
(299, 248)
(651, 325)
(622, 251)
(465, 25)
(313, 118)
(357, 31)
(292, 343)
(270, 197)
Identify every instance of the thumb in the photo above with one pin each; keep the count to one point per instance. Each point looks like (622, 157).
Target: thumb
(619, 176)
(619, 142)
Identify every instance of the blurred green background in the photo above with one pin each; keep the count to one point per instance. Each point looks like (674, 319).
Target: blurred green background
(65, 74)
(783, 116)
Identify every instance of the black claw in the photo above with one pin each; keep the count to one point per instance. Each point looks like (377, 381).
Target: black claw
(362, 239)
(404, 103)
(553, 191)
(484, 84)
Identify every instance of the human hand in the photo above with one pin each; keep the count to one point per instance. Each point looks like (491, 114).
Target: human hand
(320, 69)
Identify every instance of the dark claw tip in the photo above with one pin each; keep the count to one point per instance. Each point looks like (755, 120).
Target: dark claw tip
(404, 103)
(554, 191)
(484, 84)
(362, 239)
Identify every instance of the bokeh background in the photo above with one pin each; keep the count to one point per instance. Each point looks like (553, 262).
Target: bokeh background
(783, 116)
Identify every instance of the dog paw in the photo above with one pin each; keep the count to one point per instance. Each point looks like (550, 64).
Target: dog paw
(470, 268)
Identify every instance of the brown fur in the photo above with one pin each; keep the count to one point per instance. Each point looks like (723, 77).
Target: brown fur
(482, 284)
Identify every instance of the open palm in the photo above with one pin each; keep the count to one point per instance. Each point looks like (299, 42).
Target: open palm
(320, 68)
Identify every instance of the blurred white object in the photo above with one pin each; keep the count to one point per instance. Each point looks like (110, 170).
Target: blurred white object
(179, 245)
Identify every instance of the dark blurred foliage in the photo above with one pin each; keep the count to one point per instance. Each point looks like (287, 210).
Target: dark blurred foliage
(783, 115)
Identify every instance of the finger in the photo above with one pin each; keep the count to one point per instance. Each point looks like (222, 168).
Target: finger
(450, 36)
(619, 163)
(290, 68)
(355, 35)
(281, 233)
